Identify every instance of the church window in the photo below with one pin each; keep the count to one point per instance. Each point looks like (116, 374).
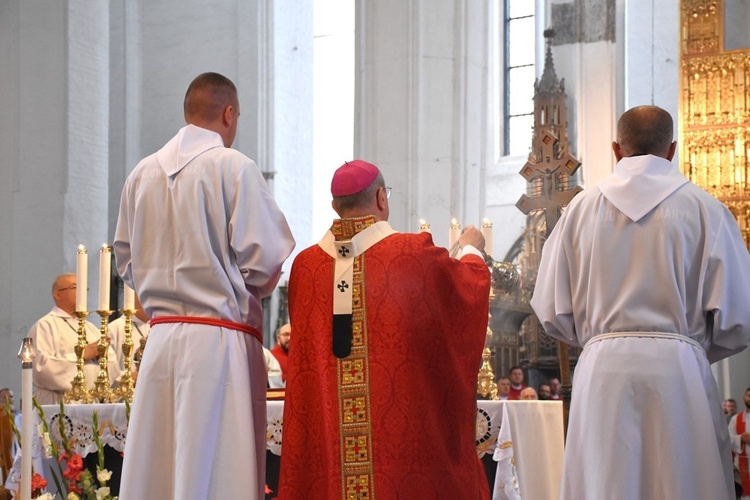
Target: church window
(519, 75)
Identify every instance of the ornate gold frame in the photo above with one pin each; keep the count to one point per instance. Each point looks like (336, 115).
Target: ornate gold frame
(714, 121)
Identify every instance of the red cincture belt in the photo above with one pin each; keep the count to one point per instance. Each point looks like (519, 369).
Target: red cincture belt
(240, 327)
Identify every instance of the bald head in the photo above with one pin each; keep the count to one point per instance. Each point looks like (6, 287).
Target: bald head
(64, 292)
(211, 102)
(645, 130)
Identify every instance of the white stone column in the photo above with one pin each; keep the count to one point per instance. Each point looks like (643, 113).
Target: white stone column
(54, 123)
(422, 106)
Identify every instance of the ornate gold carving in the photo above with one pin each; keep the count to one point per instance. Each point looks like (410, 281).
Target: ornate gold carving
(715, 109)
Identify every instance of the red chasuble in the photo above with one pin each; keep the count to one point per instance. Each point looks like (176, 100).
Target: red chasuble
(394, 418)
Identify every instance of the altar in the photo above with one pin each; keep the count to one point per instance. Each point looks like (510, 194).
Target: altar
(535, 431)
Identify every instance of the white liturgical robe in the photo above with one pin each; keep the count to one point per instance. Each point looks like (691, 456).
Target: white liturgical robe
(650, 274)
(55, 337)
(199, 235)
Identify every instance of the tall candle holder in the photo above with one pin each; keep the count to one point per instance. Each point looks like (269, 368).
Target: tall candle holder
(127, 384)
(102, 391)
(486, 385)
(77, 392)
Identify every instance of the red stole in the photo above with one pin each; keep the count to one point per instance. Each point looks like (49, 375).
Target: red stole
(742, 461)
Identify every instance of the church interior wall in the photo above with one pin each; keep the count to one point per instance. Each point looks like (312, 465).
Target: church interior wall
(91, 89)
(421, 78)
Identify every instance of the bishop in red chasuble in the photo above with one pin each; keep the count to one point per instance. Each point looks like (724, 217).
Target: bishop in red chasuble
(388, 336)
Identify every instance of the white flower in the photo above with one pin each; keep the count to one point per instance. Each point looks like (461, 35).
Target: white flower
(103, 475)
(47, 443)
(45, 496)
(102, 493)
(73, 496)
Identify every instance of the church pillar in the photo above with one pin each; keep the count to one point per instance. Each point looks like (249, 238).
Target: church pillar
(423, 106)
(54, 163)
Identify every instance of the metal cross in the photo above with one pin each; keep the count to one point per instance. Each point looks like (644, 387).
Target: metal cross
(553, 198)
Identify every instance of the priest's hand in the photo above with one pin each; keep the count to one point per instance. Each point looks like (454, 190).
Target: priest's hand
(471, 236)
(91, 351)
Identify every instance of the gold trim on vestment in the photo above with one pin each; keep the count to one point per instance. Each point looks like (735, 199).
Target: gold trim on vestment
(357, 473)
(357, 479)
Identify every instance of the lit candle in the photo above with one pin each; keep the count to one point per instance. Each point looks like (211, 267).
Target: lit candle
(105, 264)
(129, 302)
(423, 226)
(454, 234)
(486, 231)
(82, 263)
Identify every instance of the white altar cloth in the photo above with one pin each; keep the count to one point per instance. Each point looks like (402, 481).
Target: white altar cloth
(536, 430)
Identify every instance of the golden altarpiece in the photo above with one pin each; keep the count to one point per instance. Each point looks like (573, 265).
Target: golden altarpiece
(714, 120)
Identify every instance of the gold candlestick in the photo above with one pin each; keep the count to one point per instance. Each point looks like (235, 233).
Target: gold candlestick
(486, 386)
(77, 392)
(102, 391)
(127, 384)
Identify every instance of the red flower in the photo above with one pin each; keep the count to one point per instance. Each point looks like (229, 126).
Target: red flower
(74, 466)
(38, 483)
(74, 488)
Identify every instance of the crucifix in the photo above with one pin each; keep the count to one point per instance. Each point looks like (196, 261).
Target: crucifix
(550, 172)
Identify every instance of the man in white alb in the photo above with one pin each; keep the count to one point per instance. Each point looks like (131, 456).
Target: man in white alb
(55, 337)
(201, 241)
(649, 273)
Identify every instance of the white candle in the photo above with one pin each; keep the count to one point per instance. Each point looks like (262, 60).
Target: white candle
(129, 302)
(486, 231)
(454, 234)
(26, 354)
(82, 263)
(423, 226)
(27, 432)
(105, 264)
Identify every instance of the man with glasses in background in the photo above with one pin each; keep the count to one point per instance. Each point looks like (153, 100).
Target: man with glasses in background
(55, 336)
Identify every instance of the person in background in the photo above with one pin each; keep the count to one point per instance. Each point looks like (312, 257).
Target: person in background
(515, 374)
(554, 387)
(55, 336)
(739, 436)
(503, 388)
(273, 368)
(528, 394)
(729, 407)
(281, 350)
(545, 392)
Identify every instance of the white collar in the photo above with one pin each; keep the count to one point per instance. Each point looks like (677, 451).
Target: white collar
(640, 183)
(189, 142)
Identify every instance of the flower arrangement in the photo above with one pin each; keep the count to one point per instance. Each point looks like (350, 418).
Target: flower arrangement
(72, 480)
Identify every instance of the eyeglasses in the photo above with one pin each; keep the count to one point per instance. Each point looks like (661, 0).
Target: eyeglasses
(71, 287)
(387, 192)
